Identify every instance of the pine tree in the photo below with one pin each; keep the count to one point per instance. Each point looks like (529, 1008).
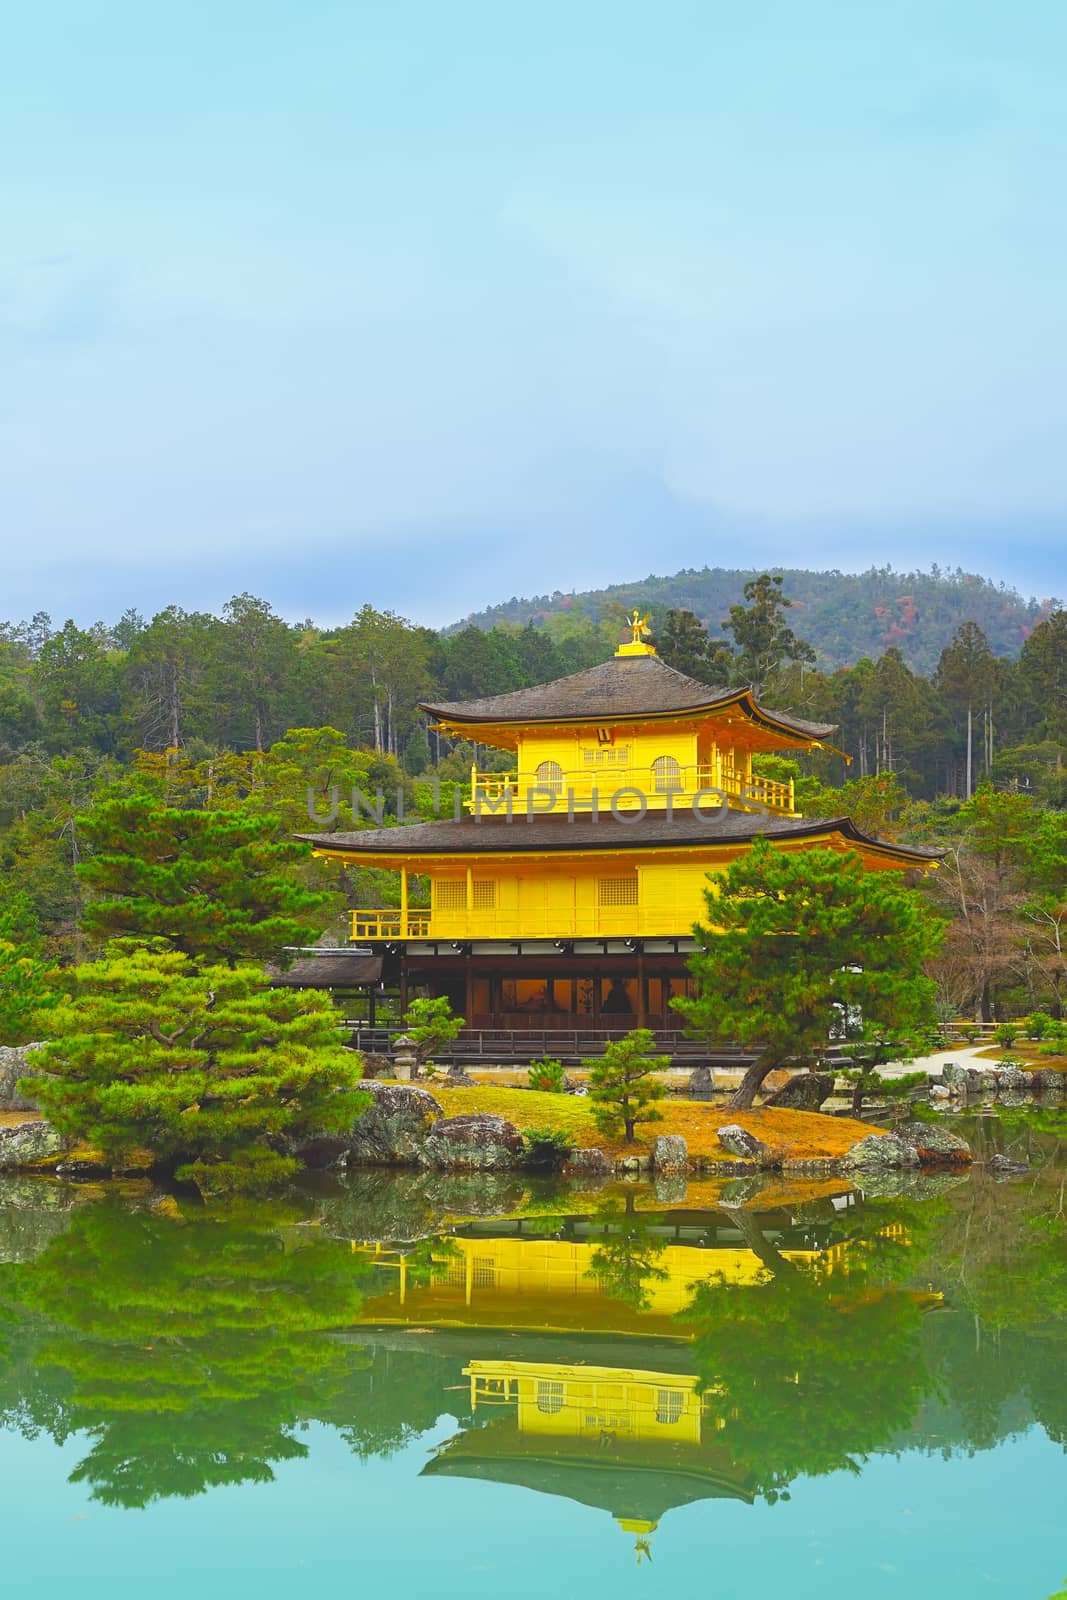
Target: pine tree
(965, 676)
(764, 639)
(215, 885)
(25, 975)
(621, 1087)
(212, 1070)
(804, 946)
(684, 645)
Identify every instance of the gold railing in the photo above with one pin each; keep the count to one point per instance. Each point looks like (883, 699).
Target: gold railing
(390, 924)
(493, 792)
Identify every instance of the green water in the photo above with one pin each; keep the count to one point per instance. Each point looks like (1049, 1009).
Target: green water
(813, 1395)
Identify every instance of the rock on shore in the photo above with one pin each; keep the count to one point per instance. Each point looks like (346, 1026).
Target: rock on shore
(911, 1144)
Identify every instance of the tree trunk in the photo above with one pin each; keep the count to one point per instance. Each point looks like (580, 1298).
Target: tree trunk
(970, 750)
(760, 1245)
(629, 1132)
(745, 1093)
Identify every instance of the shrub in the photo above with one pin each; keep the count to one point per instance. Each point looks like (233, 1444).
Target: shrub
(546, 1148)
(969, 1032)
(1005, 1034)
(621, 1086)
(1038, 1025)
(212, 1070)
(430, 1024)
(546, 1075)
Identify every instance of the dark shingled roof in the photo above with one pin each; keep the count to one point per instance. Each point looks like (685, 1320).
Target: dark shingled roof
(624, 687)
(337, 970)
(482, 835)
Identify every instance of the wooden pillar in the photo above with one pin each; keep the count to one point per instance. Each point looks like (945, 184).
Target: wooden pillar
(403, 979)
(468, 1277)
(403, 902)
(370, 1005)
(468, 979)
(642, 989)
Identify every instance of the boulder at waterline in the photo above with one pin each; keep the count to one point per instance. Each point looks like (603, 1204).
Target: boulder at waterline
(26, 1144)
(737, 1141)
(911, 1144)
(480, 1142)
(670, 1153)
(587, 1163)
(392, 1131)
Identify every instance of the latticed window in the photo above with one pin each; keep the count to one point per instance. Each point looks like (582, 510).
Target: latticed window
(607, 755)
(549, 1396)
(484, 891)
(617, 891)
(666, 775)
(483, 1273)
(450, 894)
(550, 776)
(669, 1404)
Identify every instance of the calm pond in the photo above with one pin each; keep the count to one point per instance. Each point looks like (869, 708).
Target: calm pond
(409, 1385)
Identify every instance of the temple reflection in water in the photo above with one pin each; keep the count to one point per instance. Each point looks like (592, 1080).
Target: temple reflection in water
(599, 1402)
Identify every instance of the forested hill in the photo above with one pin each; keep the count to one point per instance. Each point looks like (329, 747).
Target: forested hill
(843, 615)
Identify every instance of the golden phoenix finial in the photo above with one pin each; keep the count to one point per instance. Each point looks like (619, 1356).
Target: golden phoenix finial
(639, 625)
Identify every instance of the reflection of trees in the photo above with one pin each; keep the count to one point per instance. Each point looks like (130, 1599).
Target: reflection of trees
(625, 1261)
(1001, 1256)
(190, 1349)
(810, 1371)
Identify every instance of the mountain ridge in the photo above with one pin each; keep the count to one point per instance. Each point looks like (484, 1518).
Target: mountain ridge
(843, 615)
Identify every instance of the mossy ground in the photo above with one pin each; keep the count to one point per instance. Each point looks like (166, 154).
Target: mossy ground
(791, 1135)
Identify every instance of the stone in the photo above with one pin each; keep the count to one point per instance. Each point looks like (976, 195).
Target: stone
(701, 1083)
(1004, 1164)
(478, 1142)
(587, 1163)
(880, 1152)
(956, 1072)
(458, 1077)
(737, 1141)
(909, 1144)
(670, 1153)
(15, 1064)
(940, 1091)
(393, 1129)
(1045, 1082)
(1010, 1077)
(376, 1066)
(805, 1091)
(83, 1169)
(28, 1143)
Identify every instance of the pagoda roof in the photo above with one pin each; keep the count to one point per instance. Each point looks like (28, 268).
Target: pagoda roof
(626, 688)
(632, 1479)
(489, 835)
(334, 969)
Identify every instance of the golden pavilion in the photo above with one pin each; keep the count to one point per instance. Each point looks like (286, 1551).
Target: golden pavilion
(566, 895)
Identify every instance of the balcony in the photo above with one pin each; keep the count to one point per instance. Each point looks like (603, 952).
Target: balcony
(388, 924)
(674, 788)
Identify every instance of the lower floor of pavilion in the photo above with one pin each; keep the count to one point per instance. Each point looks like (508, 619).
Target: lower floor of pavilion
(586, 986)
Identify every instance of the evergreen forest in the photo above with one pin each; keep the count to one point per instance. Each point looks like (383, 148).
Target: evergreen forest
(247, 712)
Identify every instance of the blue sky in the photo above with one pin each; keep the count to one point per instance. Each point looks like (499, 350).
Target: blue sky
(430, 304)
